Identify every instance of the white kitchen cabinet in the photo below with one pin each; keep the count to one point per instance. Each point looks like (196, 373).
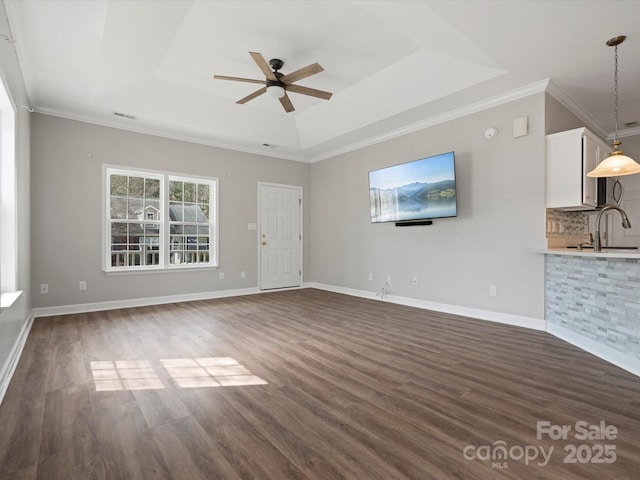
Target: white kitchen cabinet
(570, 156)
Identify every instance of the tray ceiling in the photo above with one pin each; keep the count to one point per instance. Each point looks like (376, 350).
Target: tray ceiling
(393, 66)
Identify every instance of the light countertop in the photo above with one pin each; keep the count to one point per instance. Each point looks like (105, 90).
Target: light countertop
(605, 253)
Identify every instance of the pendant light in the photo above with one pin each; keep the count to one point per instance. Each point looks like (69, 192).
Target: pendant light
(617, 163)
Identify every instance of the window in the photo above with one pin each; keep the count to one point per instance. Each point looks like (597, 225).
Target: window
(157, 220)
(189, 224)
(8, 195)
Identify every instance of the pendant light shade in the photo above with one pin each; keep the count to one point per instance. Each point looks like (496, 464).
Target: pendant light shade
(617, 163)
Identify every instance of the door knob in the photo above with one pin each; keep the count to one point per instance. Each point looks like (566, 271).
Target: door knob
(264, 243)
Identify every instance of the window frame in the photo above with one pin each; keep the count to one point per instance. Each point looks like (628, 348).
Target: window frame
(9, 251)
(164, 264)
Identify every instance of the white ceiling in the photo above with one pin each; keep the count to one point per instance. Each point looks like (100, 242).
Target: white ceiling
(393, 66)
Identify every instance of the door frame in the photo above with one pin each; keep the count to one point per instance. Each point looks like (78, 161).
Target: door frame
(259, 229)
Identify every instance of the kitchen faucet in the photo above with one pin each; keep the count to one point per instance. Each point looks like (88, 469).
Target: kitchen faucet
(597, 245)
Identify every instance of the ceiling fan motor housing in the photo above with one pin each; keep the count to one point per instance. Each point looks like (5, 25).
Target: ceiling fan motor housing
(276, 64)
(275, 83)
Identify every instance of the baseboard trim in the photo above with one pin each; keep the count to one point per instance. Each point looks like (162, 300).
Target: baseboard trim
(498, 317)
(147, 301)
(602, 351)
(10, 365)
(140, 302)
(474, 313)
(615, 357)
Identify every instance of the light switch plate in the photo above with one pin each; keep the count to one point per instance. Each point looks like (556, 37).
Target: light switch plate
(520, 127)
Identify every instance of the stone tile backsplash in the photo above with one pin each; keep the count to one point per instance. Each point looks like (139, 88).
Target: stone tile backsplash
(598, 298)
(566, 224)
(566, 228)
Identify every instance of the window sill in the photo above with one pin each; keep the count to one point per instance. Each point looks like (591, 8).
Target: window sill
(143, 271)
(7, 299)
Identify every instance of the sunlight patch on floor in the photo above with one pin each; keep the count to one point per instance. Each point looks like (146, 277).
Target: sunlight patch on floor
(184, 372)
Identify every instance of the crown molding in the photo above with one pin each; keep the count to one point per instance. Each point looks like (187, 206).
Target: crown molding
(546, 85)
(629, 132)
(479, 106)
(163, 133)
(574, 107)
(594, 125)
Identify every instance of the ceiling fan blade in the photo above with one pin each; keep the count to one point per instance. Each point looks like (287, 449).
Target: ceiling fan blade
(302, 73)
(286, 103)
(312, 92)
(263, 65)
(255, 94)
(237, 79)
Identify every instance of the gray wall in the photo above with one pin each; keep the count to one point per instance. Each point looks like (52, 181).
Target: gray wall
(631, 147)
(557, 118)
(66, 209)
(492, 241)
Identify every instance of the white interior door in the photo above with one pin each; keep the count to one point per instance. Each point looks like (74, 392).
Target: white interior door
(280, 236)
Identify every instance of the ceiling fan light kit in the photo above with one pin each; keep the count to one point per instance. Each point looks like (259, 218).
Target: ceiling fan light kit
(276, 91)
(277, 84)
(617, 163)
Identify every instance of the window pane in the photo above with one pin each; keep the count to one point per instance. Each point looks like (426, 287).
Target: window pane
(190, 213)
(118, 233)
(118, 185)
(152, 258)
(136, 187)
(135, 210)
(135, 233)
(189, 192)
(118, 207)
(152, 209)
(175, 190)
(177, 242)
(203, 193)
(203, 230)
(175, 212)
(151, 231)
(203, 243)
(204, 211)
(152, 188)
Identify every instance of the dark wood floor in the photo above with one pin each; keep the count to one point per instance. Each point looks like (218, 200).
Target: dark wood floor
(306, 384)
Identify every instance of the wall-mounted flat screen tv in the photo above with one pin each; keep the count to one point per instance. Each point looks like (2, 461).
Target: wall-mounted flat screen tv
(418, 190)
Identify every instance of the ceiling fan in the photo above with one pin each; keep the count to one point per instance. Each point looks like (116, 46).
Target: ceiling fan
(278, 84)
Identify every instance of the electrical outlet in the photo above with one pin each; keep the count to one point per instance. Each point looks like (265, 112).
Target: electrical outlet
(243, 274)
(370, 276)
(82, 285)
(44, 288)
(493, 291)
(221, 275)
(414, 281)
